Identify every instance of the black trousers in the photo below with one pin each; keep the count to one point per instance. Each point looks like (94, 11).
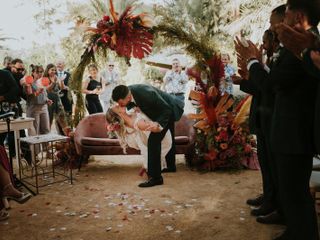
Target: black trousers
(294, 173)
(266, 158)
(268, 170)
(93, 105)
(66, 102)
(154, 151)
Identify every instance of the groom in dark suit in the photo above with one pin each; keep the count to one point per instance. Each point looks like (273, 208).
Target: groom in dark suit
(160, 107)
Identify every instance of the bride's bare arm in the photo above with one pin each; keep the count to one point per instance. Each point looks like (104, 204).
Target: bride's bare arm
(146, 125)
(142, 124)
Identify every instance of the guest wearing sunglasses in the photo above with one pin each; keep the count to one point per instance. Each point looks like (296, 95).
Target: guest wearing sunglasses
(17, 71)
(110, 81)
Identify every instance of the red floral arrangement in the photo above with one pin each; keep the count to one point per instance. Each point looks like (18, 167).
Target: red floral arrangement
(223, 137)
(129, 35)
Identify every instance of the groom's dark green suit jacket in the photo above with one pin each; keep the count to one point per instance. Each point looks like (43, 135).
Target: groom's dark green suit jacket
(156, 104)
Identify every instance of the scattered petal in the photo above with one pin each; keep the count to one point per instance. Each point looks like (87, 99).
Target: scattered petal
(169, 228)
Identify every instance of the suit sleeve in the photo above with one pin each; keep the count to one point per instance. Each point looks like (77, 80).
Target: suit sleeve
(310, 67)
(247, 86)
(66, 80)
(258, 76)
(13, 90)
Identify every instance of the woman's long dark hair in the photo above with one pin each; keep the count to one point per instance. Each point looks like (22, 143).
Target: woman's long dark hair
(49, 66)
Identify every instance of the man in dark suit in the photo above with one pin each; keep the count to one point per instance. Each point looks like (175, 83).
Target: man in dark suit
(65, 76)
(159, 107)
(305, 44)
(260, 121)
(8, 87)
(292, 128)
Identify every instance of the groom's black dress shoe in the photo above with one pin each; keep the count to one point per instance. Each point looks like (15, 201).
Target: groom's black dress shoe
(256, 201)
(166, 170)
(272, 218)
(283, 236)
(151, 182)
(265, 209)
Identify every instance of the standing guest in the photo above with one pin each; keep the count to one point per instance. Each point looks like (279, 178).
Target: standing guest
(110, 79)
(18, 71)
(65, 94)
(175, 81)
(7, 63)
(56, 110)
(92, 87)
(37, 102)
(270, 210)
(306, 45)
(226, 86)
(8, 88)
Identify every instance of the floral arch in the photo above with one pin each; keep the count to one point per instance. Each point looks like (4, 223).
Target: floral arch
(222, 141)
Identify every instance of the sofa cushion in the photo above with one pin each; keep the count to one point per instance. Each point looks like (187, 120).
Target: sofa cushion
(99, 141)
(181, 140)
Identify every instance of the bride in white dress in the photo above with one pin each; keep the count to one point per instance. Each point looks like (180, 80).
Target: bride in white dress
(133, 131)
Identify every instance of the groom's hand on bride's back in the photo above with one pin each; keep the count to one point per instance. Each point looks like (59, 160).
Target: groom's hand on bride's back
(154, 127)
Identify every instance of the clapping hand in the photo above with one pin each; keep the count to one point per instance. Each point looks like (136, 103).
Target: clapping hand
(295, 39)
(236, 79)
(315, 56)
(247, 52)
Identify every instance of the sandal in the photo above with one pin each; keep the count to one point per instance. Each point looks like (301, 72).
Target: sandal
(4, 215)
(25, 196)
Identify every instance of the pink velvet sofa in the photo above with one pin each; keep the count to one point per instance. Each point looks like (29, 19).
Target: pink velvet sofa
(91, 138)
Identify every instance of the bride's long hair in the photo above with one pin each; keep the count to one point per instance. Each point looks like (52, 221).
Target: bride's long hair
(115, 119)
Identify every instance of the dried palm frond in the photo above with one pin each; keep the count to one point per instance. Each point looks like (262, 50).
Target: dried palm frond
(243, 112)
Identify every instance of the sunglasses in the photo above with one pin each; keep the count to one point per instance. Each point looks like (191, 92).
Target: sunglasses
(20, 69)
(111, 65)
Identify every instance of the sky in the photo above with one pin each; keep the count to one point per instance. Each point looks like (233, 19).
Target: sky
(17, 22)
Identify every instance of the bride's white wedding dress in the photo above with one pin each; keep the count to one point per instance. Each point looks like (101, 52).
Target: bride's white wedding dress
(138, 139)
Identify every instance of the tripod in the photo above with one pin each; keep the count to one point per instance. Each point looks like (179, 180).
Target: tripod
(17, 181)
